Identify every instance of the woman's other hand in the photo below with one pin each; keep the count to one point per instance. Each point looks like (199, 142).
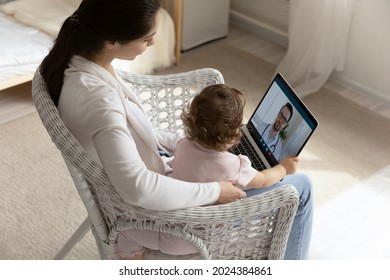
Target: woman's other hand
(229, 193)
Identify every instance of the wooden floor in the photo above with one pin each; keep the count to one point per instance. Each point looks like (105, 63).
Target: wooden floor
(15, 102)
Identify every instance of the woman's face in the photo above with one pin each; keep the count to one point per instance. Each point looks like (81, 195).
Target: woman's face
(130, 50)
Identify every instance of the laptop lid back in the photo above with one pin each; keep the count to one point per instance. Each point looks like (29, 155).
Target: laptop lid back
(281, 125)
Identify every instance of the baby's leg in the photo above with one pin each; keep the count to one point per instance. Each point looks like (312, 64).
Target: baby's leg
(127, 248)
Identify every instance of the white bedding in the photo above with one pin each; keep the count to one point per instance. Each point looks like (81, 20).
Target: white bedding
(28, 28)
(44, 15)
(22, 47)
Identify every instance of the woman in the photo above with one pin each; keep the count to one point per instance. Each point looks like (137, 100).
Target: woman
(107, 118)
(104, 114)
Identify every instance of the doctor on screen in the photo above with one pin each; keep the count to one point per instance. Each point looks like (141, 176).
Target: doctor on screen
(270, 132)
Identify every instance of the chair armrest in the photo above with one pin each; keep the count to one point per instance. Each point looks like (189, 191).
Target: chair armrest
(283, 197)
(264, 219)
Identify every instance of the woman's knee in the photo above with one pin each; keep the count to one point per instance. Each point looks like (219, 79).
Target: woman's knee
(304, 186)
(302, 183)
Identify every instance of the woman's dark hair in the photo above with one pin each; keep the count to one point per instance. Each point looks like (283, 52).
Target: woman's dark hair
(215, 116)
(93, 23)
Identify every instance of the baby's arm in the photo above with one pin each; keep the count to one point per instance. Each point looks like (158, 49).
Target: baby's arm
(270, 176)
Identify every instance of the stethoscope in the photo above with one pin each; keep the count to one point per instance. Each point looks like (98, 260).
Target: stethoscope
(274, 145)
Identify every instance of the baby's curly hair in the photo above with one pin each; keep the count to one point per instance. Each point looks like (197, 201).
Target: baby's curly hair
(214, 117)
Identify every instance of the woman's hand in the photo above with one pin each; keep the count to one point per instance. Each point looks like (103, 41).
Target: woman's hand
(229, 193)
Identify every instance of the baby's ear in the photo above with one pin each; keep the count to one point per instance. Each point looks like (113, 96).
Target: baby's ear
(109, 44)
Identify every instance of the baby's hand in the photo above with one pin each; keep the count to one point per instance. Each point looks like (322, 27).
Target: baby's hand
(290, 164)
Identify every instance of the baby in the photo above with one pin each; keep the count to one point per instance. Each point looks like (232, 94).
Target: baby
(212, 124)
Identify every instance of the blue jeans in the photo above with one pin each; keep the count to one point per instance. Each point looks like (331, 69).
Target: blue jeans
(299, 239)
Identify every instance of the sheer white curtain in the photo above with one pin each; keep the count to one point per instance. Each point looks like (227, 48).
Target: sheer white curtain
(318, 37)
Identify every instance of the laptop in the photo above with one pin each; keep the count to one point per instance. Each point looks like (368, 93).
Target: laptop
(280, 127)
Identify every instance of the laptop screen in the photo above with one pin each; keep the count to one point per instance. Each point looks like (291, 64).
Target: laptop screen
(281, 124)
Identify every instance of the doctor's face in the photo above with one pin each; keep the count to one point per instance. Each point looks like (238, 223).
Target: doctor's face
(282, 119)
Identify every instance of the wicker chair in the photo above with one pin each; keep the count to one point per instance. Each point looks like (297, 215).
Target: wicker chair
(253, 228)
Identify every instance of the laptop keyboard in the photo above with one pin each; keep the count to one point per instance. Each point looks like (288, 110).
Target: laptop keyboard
(245, 148)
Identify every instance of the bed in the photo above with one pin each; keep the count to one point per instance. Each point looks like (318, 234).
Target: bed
(28, 28)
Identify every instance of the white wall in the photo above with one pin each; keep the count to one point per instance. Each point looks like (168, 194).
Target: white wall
(268, 18)
(367, 67)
